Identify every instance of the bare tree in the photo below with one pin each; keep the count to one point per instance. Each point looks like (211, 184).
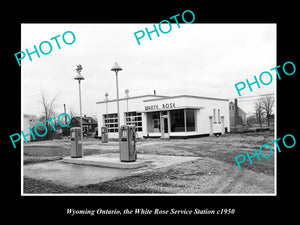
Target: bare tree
(267, 105)
(259, 112)
(48, 106)
(72, 112)
(251, 119)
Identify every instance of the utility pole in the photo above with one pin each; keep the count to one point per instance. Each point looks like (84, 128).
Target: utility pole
(65, 112)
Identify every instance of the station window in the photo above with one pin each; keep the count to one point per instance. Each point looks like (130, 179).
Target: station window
(111, 121)
(214, 116)
(183, 120)
(190, 120)
(153, 122)
(177, 120)
(134, 118)
(156, 124)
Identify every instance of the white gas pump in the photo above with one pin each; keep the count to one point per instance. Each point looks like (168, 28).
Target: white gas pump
(127, 143)
(76, 142)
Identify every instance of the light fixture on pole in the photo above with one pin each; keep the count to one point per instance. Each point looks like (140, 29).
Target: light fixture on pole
(79, 77)
(127, 96)
(117, 68)
(106, 99)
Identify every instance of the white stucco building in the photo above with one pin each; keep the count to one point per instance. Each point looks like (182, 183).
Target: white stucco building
(166, 116)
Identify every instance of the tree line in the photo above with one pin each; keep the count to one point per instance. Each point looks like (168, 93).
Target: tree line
(263, 110)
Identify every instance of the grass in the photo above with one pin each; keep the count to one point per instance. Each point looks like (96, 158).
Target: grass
(45, 187)
(216, 172)
(39, 159)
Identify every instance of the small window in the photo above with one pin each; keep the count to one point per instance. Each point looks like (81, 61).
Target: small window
(155, 115)
(219, 116)
(214, 115)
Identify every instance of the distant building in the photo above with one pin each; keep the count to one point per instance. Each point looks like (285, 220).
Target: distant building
(88, 124)
(237, 116)
(29, 121)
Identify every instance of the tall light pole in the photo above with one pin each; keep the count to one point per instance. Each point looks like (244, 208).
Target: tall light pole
(117, 68)
(79, 77)
(106, 111)
(127, 96)
(106, 99)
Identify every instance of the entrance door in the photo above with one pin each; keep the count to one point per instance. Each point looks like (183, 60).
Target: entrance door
(164, 127)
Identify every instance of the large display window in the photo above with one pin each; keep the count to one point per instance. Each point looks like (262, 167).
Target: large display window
(182, 120)
(190, 120)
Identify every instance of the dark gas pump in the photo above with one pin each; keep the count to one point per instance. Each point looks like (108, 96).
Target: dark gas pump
(76, 142)
(127, 142)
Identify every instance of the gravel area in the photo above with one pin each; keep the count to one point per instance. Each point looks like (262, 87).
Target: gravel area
(215, 173)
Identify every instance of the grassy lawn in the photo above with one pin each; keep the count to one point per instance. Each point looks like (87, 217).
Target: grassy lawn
(216, 172)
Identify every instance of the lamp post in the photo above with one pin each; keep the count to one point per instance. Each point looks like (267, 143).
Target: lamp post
(106, 99)
(79, 77)
(117, 68)
(127, 96)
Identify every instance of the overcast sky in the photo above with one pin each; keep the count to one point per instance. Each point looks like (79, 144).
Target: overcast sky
(195, 59)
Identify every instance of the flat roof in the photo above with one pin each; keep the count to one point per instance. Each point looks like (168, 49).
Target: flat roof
(140, 96)
(188, 96)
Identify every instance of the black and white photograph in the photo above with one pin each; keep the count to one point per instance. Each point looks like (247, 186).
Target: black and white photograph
(180, 113)
(137, 110)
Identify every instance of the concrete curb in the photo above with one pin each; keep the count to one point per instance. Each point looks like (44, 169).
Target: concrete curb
(104, 161)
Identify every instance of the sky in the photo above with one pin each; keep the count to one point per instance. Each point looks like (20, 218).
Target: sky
(195, 59)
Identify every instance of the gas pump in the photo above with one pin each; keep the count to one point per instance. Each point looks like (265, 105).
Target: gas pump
(104, 134)
(127, 143)
(76, 142)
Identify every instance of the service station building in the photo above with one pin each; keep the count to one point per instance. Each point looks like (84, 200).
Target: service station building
(157, 116)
